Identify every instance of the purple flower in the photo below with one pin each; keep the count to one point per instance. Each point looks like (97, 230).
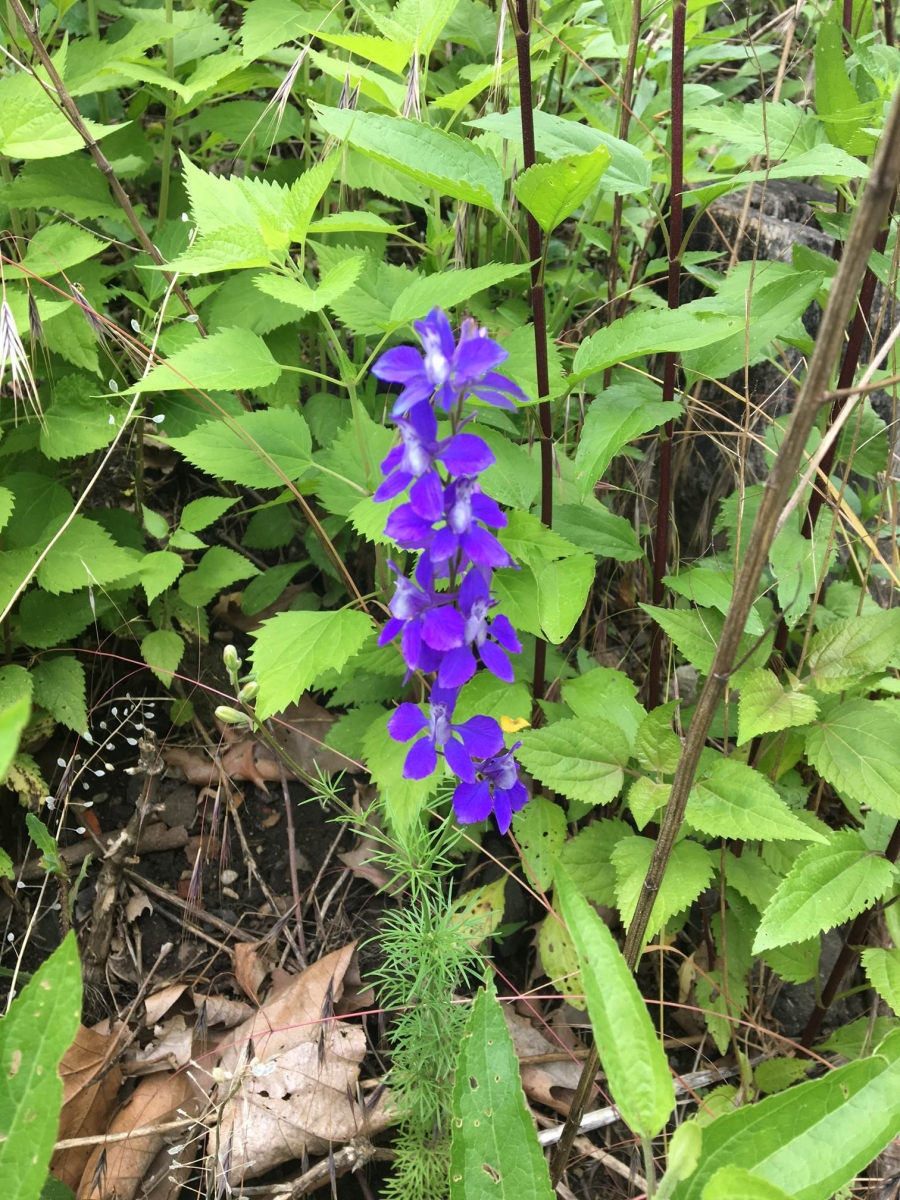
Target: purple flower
(415, 458)
(448, 371)
(479, 737)
(459, 664)
(466, 509)
(427, 624)
(496, 788)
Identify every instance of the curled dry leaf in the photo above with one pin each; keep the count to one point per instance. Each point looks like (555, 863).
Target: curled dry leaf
(291, 1076)
(550, 1083)
(158, 1004)
(250, 968)
(138, 904)
(156, 1101)
(301, 730)
(222, 1011)
(91, 1081)
(171, 1049)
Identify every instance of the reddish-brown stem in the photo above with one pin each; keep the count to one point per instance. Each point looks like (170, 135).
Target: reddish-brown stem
(847, 957)
(522, 16)
(664, 493)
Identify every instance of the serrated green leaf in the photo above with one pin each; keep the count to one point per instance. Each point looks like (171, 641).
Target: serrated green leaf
(688, 873)
(630, 1051)
(882, 969)
(615, 418)
(451, 164)
(582, 760)
(855, 746)
(292, 648)
(764, 706)
(197, 514)
(752, 877)
(845, 118)
(846, 650)
(697, 632)
(587, 859)
(268, 24)
(404, 799)
(250, 449)
(448, 289)
(776, 1074)
(38, 1029)
(162, 651)
(563, 588)
(608, 694)
(158, 571)
(645, 798)
(15, 710)
(232, 248)
(731, 800)
(710, 586)
(596, 529)
(298, 294)
(217, 569)
(540, 830)
(32, 124)
(553, 191)
(234, 358)
(528, 540)
(826, 886)
(47, 621)
(486, 694)
(7, 869)
(494, 1150)
(74, 186)
(810, 1140)
(559, 960)
(84, 554)
(59, 686)
(56, 248)
(517, 597)
(7, 504)
(651, 331)
(267, 587)
(657, 746)
(78, 420)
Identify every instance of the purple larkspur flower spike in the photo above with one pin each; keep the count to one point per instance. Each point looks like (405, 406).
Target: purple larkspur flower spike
(490, 640)
(477, 738)
(496, 788)
(427, 622)
(448, 371)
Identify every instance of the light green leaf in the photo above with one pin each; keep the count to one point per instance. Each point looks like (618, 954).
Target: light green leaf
(596, 529)
(353, 222)
(734, 1183)
(826, 886)
(270, 23)
(7, 504)
(563, 589)
(514, 479)
(688, 873)
(393, 56)
(540, 830)
(845, 118)
(15, 711)
(710, 587)
(696, 632)
(158, 571)
(38, 1029)
(162, 651)
(844, 651)
(494, 1153)
(750, 876)
(528, 539)
(765, 706)
(855, 746)
(731, 800)
(615, 418)
(46, 843)
(74, 186)
(630, 1051)
(657, 746)
(487, 694)
(645, 798)
(517, 594)
(882, 969)
(800, 564)
(559, 960)
(59, 687)
(444, 161)
(810, 1140)
(553, 191)
(7, 869)
(84, 554)
(608, 694)
(197, 514)
(582, 760)
(250, 449)
(78, 420)
(56, 248)
(217, 569)
(300, 295)
(404, 799)
(587, 859)
(32, 125)
(651, 331)
(448, 289)
(231, 248)
(685, 1146)
(292, 648)
(234, 358)
(416, 22)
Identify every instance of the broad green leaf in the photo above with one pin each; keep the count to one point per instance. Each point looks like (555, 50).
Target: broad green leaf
(38, 1029)
(515, 477)
(731, 800)
(631, 1053)
(267, 587)
(353, 222)
(448, 289)
(750, 876)
(73, 186)
(230, 248)
(7, 869)
(197, 514)
(735, 1183)
(15, 711)
(300, 295)
(84, 554)
(270, 23)
(765, 706)
(7, 504)
(709, 586)
(587, 859)
(292, 648)
(517, 594)
(855, 746)
(526, 537)
(825, 160)
(826, 886)
(256, 449)
(32, 125)
(77, 421)
(162, 651)
(651, 331)
(864, 441)
(393, 56)
(59, 687)
(488, 695)
(47, 844)
(234, 358)
(800, 564)
(444, 161)
(559, 960)
(404, 799)
(593, 527)
(417, 22)
(615, 417)
(685, 1146)
(810, 1140)
(688, 873)
(845, 118)
(540, 830)
(844, 651)
(882, 969)
(777, 1074)
(494, 1153)
(563, 588)
(696, 633)
(608, 694)
(55, 248)
(582, 760)
(158, 571)
(217, 569)
(553, 191)
(645, 798)
(657, 746)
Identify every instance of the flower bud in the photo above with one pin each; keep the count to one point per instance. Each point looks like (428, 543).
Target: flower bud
(231, 716)
(231, 660)
(248, 692)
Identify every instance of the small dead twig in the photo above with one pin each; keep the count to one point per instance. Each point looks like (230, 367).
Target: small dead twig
(352, 1157)
(292, 859)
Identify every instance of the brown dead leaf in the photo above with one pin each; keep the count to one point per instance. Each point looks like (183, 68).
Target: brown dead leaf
(138, 904)
(250, 969)
(158, 1004)
(222, 1011)
(89, 1095)
(229, 611)
(156, 1100)
(301, 730)
(294, 1096)
(170, 1049)
(550, 1083)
